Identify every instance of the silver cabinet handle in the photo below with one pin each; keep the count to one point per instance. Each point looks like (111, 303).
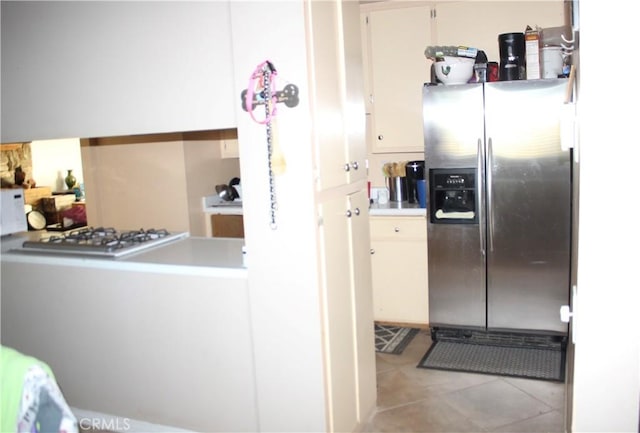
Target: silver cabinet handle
(355, 165)
(347, 167)
(348, 213)
(357, 211)
(381, 137)
(396, 229)
(372, 251)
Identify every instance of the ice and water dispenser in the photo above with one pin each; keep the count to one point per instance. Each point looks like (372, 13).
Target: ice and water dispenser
(453, 196)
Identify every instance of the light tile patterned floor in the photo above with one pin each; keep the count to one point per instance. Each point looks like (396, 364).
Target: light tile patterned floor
(414, 399)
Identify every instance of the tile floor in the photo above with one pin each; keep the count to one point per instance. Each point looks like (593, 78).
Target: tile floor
(414, 399)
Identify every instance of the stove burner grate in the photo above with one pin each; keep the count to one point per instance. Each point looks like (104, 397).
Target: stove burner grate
(101, 240)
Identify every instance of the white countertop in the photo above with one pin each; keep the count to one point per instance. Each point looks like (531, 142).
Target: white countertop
(221, 257)
(230, 209)
(194, 251)
(213, 204)
(397, 209)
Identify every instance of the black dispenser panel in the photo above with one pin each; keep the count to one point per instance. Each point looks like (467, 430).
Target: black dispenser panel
(453, 195)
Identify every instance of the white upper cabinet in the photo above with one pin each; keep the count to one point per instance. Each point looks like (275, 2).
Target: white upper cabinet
(88, 69)
(396, 40)
(395, 36)
(338, 96)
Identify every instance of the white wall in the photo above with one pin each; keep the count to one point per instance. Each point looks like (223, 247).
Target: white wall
(283, 283)
(154, 180)
(133, 185)
(145, 343)
(607, 323)
(52, 158)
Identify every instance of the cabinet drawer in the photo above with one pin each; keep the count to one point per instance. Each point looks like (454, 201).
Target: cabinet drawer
(409, 228)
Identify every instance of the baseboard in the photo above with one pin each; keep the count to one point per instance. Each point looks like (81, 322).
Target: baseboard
(90, 420)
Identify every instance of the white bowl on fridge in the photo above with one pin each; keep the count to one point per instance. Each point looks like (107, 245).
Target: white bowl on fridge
(454, 70)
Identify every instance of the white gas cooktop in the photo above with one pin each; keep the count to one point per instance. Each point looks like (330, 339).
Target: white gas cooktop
(102, 242)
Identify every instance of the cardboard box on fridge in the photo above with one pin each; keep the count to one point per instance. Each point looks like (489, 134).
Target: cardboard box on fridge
(532, 50)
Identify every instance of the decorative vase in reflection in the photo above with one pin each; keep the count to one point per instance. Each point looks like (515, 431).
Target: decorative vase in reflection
(70, 180)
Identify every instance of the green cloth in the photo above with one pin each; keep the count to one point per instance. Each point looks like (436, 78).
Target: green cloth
(13, 368)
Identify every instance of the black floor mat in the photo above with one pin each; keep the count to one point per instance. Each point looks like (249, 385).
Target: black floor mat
(488, 354)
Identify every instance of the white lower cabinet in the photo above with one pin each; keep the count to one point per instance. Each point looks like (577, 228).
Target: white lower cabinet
(399, 269)
(227, 226)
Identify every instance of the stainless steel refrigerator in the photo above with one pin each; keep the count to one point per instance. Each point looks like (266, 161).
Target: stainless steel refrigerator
(499, 208)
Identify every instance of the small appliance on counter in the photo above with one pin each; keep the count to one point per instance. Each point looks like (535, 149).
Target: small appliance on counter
(13, 218)
(415, 172)
(230, 192)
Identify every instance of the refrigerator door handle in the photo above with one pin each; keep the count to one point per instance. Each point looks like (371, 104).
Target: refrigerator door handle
(489, 193)
(479, 193)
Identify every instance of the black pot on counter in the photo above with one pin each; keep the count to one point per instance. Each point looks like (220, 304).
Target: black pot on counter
(415, 172)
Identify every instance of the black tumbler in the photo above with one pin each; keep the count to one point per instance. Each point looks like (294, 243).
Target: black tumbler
(512, 56)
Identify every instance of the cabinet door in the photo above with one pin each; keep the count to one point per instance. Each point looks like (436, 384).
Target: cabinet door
(398, 69)
(349, 329)
(338, 300)
(227, 226)
(478, 24)
(399, 270)
(363, 296)
(355, 111)
(341, 149)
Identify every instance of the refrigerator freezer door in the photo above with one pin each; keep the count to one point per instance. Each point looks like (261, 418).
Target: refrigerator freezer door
(528, 206)
(454, 127)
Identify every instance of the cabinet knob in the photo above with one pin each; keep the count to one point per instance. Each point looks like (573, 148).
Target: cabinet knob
(347, 167)
(355, 165)
(348, 214)
(380, 137)
(396, 229)
(372, 251)
(357, 211)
